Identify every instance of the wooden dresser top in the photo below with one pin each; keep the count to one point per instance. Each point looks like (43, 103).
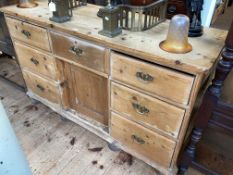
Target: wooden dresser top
(144, 45)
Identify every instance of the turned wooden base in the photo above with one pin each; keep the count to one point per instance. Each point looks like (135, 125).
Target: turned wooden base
(207, 107)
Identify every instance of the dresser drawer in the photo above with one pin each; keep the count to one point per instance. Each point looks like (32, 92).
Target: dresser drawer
(155, 79)
(146, 110)
(80, 51)
(36, 61)
(42, 87)
(28, 33)
(141, 140)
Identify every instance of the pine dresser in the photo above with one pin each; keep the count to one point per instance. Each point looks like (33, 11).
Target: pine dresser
(123, 89)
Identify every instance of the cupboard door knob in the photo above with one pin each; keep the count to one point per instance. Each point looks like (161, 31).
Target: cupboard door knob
(76, 51)
(138, 139)
(26, 33)
(40, 87)
(34, 61)
(140, 109)
(144, 76)
(64, 83)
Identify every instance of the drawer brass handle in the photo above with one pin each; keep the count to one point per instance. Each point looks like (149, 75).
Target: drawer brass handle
(138, 139)
(140, 109)
(26, 33)
(75, 50)
(145, 77)
(34, 61)
(40, 87)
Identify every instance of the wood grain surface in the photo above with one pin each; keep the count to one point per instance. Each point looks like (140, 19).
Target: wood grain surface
(42, 87)
(155, 147)
(87, 93)
(145, 45)
(160, 115)
(84, 53)
(31, 34)
(36, 61)
(172, 85)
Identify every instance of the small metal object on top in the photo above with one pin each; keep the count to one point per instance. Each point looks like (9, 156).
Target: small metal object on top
(141, 18)
(135, 17)
(62, 10)
(75, 3)
(110, 21)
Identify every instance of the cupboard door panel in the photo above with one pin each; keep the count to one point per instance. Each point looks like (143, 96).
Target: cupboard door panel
(88, 93)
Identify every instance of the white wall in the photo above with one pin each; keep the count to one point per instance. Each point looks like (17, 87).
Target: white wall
(207, 12)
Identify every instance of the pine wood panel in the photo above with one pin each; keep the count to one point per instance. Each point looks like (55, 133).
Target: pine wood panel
(87, 93)
(88, 54)
(150, 144)
(28, 33)
(42, 87)
(36, 61)
(160, 115)
(172, 85)
(145, 45)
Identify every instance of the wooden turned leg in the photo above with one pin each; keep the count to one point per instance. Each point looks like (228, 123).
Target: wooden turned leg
(201, 122)
(208, 103)
(190, 150)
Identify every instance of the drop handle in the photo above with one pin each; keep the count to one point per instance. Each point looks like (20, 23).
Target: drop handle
(40, 87)
(138, 139)
(26, 33)
(34, 61)
(144, 77)
(76, 51)
(140, 109)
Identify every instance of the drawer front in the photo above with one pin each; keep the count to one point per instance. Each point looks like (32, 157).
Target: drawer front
(36, 61)
(164, 82)
(141, 140)
(146, 110)
(28, 33)
(42, 87)
(77, 50)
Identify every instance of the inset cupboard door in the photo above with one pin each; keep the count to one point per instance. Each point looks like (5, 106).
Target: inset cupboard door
(87, 93)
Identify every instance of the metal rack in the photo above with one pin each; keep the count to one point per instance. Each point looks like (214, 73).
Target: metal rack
(140, 18)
